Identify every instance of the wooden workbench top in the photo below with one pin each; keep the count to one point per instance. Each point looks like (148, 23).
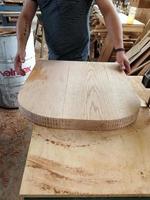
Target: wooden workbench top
(90, 163)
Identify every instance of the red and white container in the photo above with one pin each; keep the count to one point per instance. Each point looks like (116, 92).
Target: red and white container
(10, 81)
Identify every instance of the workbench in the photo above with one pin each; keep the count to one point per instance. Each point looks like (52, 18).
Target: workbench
(74, 163)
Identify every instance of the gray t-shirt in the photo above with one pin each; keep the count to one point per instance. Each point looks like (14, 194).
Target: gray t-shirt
(66, 25)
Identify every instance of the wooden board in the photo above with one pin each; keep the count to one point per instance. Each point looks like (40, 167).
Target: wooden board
(79, 95)
(76, 163)
(89, 163)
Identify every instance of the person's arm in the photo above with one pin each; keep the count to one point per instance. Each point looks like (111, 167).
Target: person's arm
(23, 32)
(114, 27)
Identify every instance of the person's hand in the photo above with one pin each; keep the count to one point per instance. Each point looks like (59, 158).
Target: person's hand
(123, 61)
(19, 59)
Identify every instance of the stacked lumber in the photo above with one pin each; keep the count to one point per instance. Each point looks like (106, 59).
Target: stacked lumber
(139, 54)
(99, 35)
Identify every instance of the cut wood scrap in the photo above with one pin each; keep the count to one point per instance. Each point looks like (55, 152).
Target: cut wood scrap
(138, 69)
(141, 59)
(145, 69)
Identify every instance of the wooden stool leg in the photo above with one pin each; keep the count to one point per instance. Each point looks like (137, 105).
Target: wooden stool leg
(42, 43)
(36, 32)
(106, 50)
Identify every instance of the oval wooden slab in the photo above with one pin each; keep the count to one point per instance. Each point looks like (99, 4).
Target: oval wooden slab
(79, 95)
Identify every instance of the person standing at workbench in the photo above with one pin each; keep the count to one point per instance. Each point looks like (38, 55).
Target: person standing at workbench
(66, 29)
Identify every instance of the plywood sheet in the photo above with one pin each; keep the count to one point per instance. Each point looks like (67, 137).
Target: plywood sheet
(89, 163)
(79, 95)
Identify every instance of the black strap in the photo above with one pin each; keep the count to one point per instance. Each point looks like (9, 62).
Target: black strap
(119, 49)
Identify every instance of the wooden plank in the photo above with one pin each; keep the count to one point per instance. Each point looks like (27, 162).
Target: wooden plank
(144, 57)
(79, 95)
(138, 69)
(135, 50)
(142, 52)
(145, 69)
(69, 163)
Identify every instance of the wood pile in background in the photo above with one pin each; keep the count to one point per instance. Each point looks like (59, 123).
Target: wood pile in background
(139, 54)
(99, 34)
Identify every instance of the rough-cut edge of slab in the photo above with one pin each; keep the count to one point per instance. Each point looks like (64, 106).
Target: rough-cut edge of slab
(74, 124)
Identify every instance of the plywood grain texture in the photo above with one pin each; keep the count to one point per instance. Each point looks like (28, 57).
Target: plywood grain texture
(89, 163)
(79, 95)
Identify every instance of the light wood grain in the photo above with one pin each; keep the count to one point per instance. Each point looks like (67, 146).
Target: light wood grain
(79, 95)
(82, 163)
